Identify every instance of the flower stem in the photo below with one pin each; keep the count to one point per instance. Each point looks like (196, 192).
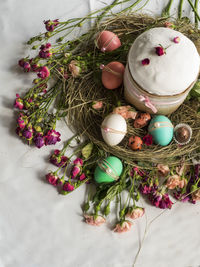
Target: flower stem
(194, 9)
(166, 11)
(106, 10)
(180, 9)
(131, 6)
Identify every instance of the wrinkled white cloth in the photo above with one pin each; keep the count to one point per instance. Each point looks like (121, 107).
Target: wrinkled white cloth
(40, 228)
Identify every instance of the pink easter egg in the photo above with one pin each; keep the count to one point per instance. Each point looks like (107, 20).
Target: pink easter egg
(112, 75)
(107, 41)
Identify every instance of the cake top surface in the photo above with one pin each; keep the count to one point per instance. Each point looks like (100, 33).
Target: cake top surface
(168, 74)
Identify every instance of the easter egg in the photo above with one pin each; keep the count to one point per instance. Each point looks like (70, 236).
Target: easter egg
(182, 134)
(107, 41)
(141, 120)
(108, 170)
(113, 129)
(135, 143)
(161, 129)
(112, 74)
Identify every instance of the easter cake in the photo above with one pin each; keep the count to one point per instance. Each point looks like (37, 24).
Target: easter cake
(163, 65)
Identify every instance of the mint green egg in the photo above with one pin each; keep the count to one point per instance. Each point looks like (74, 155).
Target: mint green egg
(161, 129)
(108, 170)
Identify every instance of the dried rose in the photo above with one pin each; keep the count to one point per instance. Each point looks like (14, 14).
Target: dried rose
(74, 68)
(163, 169)
(94, 220)
(160, 51)
(173, 181)
(145, 61)
(177, 40)
(127, 112)
(135, 213)
(125, 226)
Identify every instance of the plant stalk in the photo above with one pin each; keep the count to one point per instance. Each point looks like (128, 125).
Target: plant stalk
(197, 17)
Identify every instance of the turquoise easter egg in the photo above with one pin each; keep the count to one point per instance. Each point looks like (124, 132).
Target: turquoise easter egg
(161, 129)
(108, 170)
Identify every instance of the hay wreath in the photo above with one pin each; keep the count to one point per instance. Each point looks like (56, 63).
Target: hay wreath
(87, 89)
(69, 79)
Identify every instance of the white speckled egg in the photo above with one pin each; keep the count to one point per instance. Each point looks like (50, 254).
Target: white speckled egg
(113, 129)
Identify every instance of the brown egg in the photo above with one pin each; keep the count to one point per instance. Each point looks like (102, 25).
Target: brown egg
(107, 41)
(135, 143)
(142, 120)
(112, 74)
(182, 134)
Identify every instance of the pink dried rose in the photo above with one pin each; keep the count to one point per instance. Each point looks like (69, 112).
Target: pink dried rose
(74, 68)
(177, 40)
(135, 213)
(45, 51)
(163, 169)
(35, 67)
(126, 112)
(97, 105)
(78, 162)
(68, 187)
(27, 66)
(125, 226)
(18, 102)
(22, 121)
(52, 178)
(169, 25)
(173, 181)
(94, 220)
(145, 61)
(43, 72)
(82, 177)
(160, 51)
(196, 195)
(75, 171)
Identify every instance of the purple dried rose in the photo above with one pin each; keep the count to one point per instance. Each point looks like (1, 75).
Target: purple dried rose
(51, 24)
(58, 159)
(39, 140)
(52, 137)
(28, 133)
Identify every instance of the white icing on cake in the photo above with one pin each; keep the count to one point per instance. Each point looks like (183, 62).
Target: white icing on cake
(169, 74)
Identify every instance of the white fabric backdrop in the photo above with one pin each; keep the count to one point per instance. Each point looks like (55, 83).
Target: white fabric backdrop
(38, 227)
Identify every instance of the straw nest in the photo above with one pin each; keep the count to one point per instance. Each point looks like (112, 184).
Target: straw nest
(82, 91)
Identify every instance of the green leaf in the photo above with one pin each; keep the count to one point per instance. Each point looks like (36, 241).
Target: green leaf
(87, 150)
